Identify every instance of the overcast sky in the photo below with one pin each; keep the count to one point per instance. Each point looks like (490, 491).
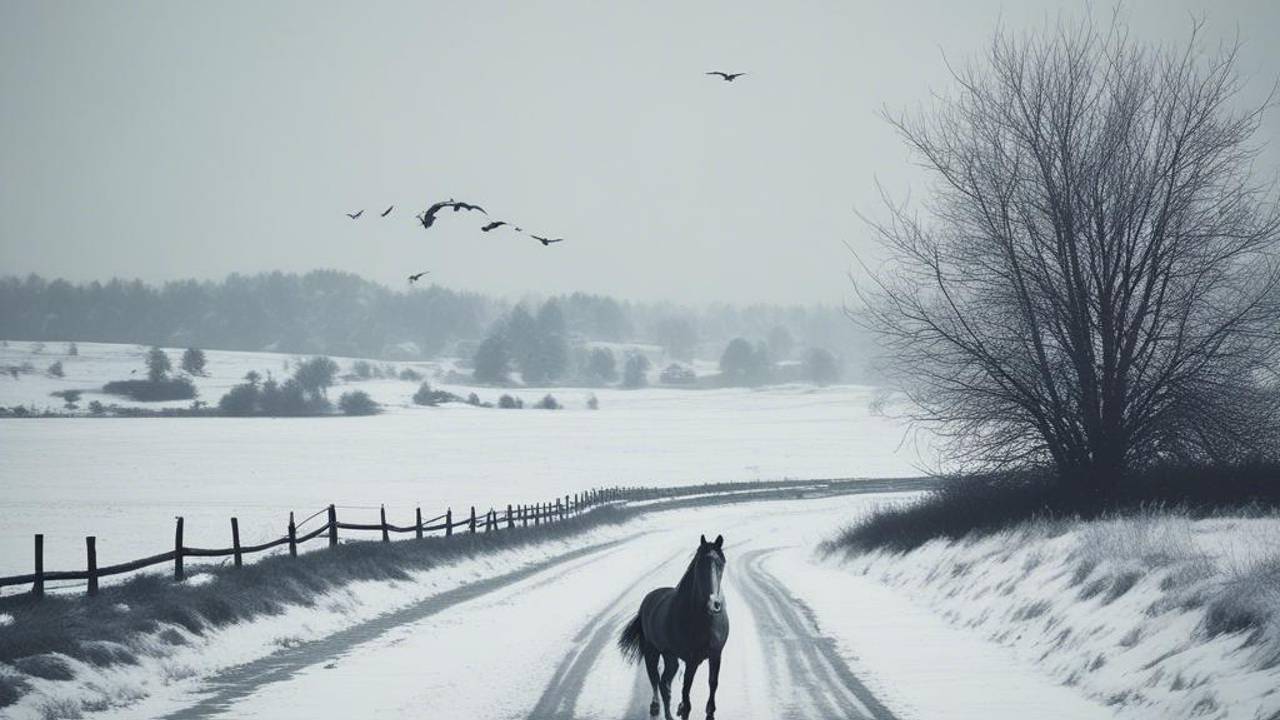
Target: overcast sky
(183, 139)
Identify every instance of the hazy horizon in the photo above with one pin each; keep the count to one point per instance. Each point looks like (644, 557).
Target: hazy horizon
(164, 141)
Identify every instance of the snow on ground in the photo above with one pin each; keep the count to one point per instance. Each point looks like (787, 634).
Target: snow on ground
(1114, 608)
(167, 674)
(808, 640)
(124, 480)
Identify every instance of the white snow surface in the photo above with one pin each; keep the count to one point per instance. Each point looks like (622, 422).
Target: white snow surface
(543, 646)
(123, 479)
(1114, 608)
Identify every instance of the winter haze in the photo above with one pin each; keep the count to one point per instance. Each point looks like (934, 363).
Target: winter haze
(166, 140)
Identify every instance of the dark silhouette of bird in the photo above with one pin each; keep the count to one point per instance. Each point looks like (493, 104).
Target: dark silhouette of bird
(493, 225)
(415, 278)
(546, 241)
(387, 211)
(428, 216)
(728, 77)
(353, 216)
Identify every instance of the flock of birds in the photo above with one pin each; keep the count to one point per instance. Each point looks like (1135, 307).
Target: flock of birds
(427, 217)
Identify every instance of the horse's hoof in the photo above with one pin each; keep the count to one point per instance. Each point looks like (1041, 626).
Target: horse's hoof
(653, 709)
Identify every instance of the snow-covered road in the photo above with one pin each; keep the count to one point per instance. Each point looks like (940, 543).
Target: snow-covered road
(539, 642)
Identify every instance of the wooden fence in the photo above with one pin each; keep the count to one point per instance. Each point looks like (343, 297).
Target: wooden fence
(491, 521)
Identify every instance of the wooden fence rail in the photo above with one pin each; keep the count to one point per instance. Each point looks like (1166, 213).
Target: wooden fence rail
(490, 521)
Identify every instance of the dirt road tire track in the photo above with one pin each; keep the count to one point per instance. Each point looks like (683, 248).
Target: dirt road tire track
(226, 687)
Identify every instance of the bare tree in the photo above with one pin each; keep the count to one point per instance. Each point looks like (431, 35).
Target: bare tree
(1092, 281)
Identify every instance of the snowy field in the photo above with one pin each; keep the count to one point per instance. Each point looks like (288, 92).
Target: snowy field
(124, 480)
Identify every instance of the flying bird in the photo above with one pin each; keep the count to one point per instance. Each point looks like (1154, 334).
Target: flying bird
(415, 278)
(428, 216)
(493, 225)
(353, 216)
(388, 211)
(546, 241)
(728, 77)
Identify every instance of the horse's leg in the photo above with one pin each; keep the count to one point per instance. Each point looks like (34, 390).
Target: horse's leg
(713, 671)
(670, 663)
(651, 665)
(690, 668)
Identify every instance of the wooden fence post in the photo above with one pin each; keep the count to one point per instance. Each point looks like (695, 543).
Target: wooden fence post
(472, 525)
(382, 514)
(537, 514)
(235, 542)
(37, 585)
(448, 522)
(293, 537)
(178, 572)
(91, 551)
(511, 521)
(524, 516)
(333, 526)
(417, 515)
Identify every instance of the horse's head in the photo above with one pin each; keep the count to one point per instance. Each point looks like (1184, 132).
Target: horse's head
(708, 571)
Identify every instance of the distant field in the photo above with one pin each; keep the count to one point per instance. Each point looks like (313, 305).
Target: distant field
(125, 479)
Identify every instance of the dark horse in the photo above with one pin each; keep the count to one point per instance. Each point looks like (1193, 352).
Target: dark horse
(688, 622)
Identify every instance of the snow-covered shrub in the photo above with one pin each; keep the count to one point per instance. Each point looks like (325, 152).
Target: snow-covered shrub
(548, 402)
(358, 402)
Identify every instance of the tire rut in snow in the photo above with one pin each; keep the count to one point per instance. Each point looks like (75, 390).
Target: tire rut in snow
(232, 684)
(796, 649)
(561, 694)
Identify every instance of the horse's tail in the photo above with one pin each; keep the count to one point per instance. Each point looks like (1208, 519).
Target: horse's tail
(631, 641)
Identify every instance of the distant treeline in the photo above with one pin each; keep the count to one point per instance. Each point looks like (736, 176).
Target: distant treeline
(338, 313)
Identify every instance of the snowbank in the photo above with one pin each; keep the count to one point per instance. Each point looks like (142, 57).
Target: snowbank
(1157, 616)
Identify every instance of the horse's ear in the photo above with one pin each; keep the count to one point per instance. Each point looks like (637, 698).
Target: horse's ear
(702, 541)
(719, 541)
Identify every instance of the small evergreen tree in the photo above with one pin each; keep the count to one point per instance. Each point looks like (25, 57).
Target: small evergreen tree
(72, 350)
(193, 361)
(158, 365)
(548, 402)
(55, 369)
